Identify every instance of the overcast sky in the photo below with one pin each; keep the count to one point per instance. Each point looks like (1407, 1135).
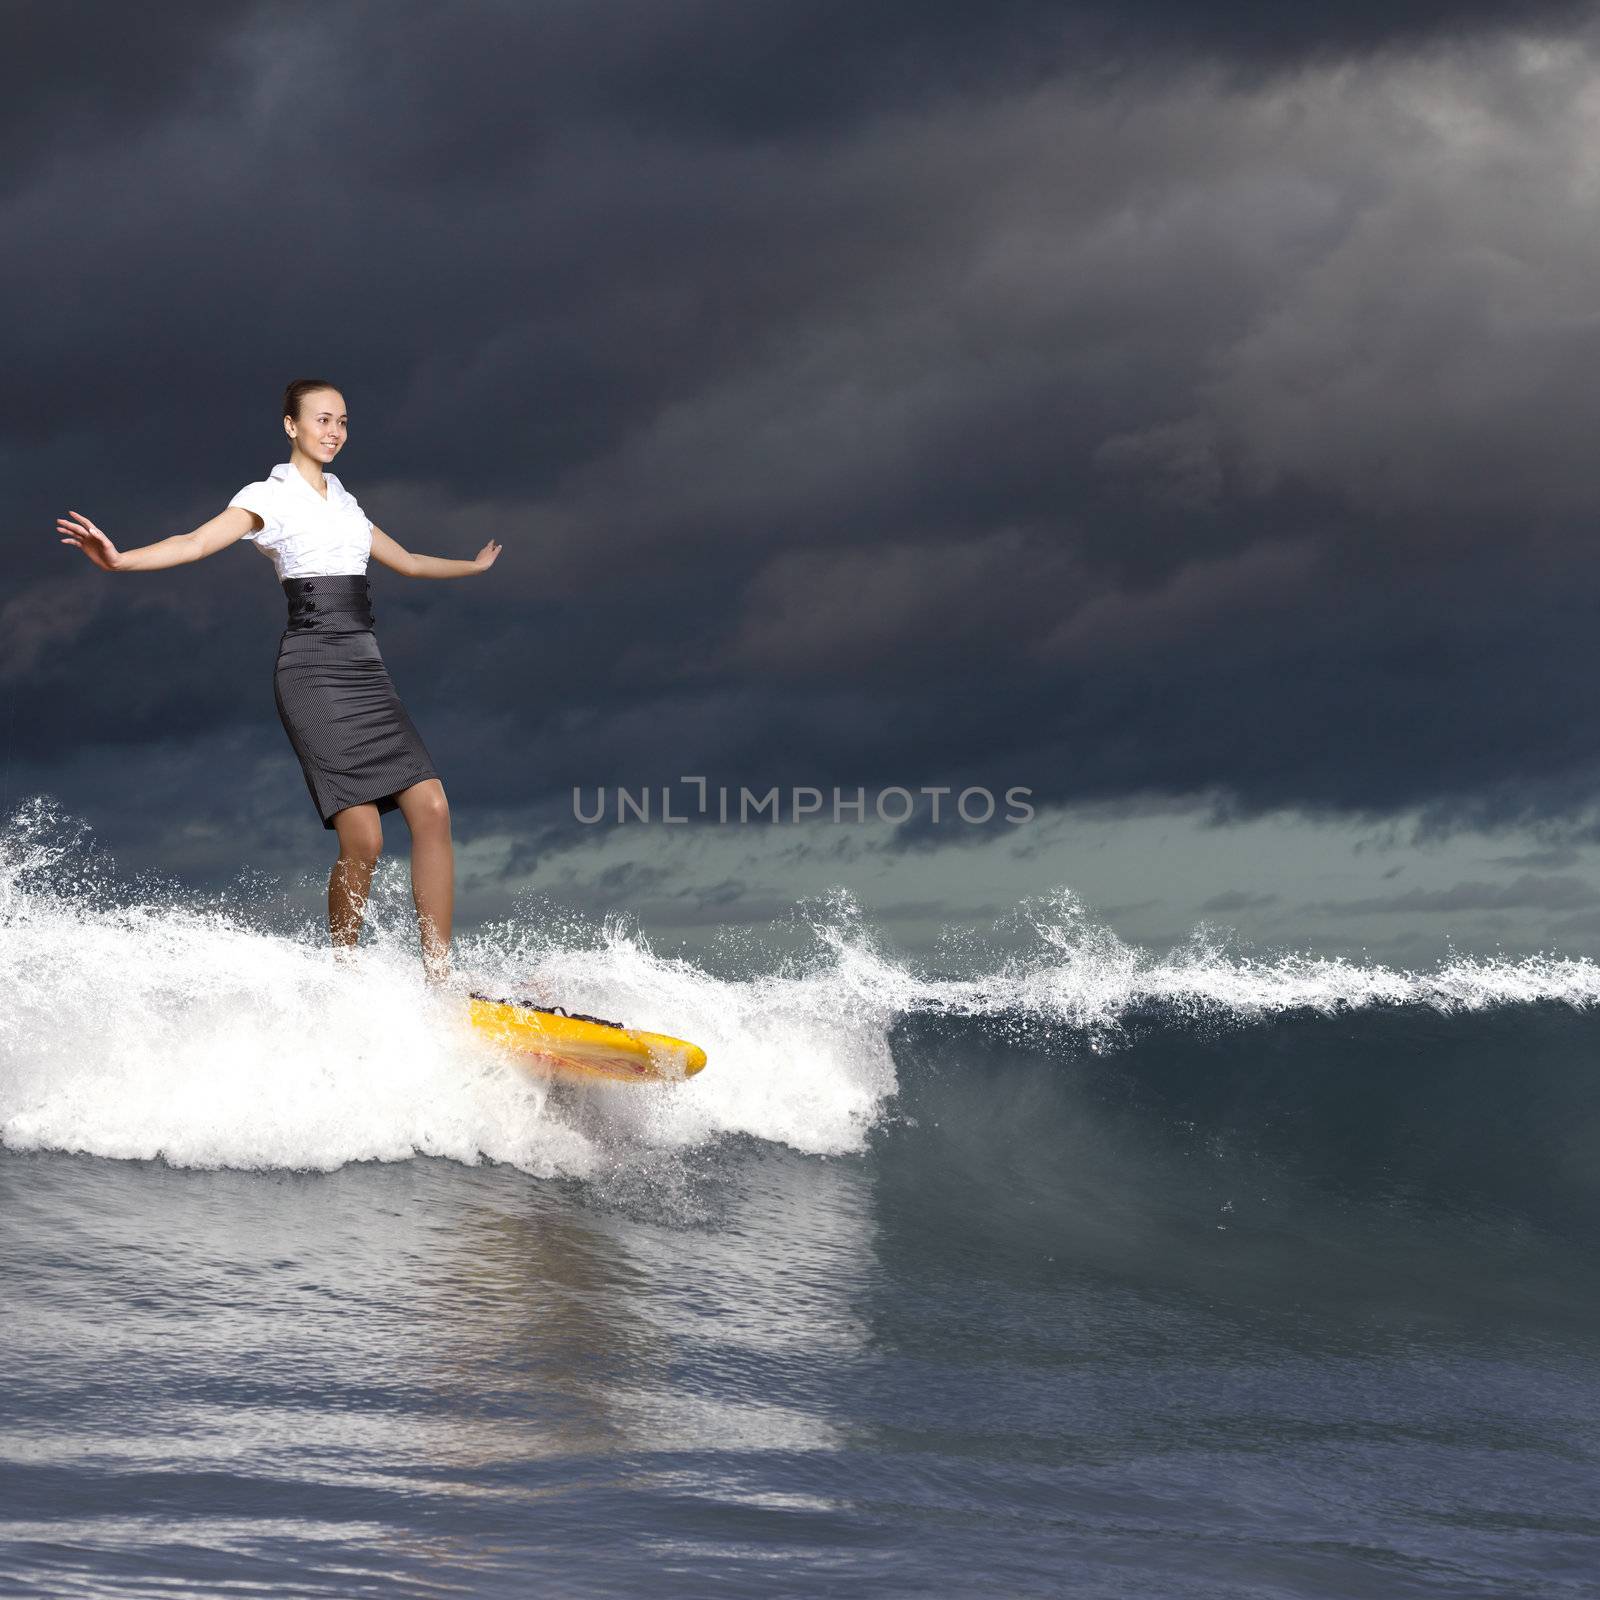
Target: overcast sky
(1185, 412)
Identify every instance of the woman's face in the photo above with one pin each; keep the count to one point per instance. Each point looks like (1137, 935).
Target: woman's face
(322, 425)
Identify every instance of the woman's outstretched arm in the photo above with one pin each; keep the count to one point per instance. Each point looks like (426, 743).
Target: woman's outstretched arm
(398, 559)
(222, 530)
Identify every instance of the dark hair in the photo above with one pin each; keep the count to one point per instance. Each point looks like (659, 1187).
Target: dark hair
(298, 390)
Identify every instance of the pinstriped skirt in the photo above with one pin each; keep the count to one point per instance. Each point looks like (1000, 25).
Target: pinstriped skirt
(354, 741)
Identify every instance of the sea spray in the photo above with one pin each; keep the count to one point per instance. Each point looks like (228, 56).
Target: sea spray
(146, 1021)
(159, 1025)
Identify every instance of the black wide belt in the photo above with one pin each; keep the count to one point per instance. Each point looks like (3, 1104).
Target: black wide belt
(343, 602)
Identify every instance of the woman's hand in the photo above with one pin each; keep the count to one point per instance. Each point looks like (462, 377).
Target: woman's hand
(79, 530)
(485, 557)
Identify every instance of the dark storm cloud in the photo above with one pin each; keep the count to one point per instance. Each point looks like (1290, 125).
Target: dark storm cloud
(1530, 890)
(80, 72)
(651, 895)
(722, 70)
(1554, 857)
(1238, 900)
(1263, 30)
(1583, 925)
(1107, 400)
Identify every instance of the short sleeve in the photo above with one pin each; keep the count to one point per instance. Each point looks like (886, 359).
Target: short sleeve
(257, 497)
(353, 505)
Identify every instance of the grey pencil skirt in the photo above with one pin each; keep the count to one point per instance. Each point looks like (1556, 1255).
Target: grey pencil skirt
(354, 741)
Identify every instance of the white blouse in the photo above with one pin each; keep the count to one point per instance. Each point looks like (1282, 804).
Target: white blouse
(304, 535)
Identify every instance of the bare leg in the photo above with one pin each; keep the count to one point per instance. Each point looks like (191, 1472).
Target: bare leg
(433, 871)
(360, 841)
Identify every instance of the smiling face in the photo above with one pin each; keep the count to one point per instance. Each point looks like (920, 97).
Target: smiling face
(322, 426)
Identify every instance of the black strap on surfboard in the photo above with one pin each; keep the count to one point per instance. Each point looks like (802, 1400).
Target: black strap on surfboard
(549, 1011)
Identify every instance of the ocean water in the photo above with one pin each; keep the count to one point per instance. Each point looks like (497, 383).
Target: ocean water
(1065, 1268)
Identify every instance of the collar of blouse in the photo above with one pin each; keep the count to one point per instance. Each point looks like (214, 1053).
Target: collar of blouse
(285, 473)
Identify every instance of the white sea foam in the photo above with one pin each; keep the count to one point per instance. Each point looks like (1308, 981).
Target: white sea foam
(163, 1028)
(175, 1028)
(1078, 972)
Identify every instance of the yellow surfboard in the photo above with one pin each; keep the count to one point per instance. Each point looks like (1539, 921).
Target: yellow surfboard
(570, 1045)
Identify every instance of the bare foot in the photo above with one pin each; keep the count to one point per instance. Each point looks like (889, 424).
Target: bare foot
(436, 963)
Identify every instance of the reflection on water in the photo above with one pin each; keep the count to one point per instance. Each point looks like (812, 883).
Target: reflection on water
(361, 1350)
(641, 1337)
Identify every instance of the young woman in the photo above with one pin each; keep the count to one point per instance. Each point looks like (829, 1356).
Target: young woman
(357, 748)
